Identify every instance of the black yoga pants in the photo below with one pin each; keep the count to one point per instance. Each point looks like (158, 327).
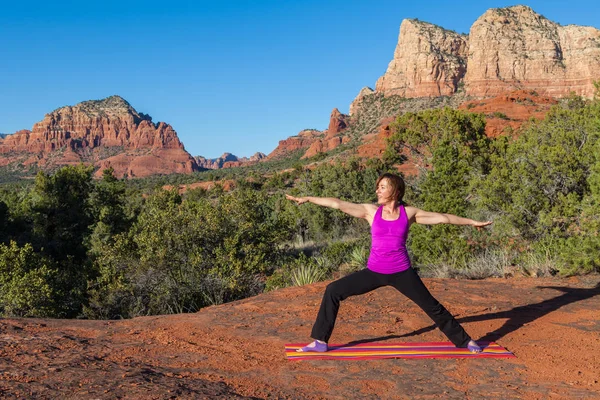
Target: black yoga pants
(406, 282)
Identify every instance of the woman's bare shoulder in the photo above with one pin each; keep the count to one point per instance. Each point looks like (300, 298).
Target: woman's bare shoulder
(411, 211)
(370, 210)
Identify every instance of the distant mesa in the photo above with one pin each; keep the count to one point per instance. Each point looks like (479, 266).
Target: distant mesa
(106, 133)
(228, 160)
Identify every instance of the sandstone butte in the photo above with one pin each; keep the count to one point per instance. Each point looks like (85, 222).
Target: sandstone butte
(236, 350)
(506, 49)
(107, 133)
(509, 54)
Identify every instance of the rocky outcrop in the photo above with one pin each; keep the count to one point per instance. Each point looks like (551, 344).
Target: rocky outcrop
(337, 123)
(228, 160)
(507, 49)
(355, 105)
(505, 114)
(302, 140)
(517, 48)
(325, 145)
(236, 350)
(242, 161)
(429, 61)
(108, 132)
(214, 163)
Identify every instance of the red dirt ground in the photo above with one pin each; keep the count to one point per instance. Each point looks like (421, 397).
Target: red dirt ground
(236, 350)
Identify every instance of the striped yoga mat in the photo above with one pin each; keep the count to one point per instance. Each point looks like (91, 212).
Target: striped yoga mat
(374, 351)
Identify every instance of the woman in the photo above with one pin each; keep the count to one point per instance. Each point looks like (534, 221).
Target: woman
(388, 263)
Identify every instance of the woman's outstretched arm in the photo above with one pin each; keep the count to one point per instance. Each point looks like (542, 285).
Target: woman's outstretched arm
(365, 211)
(433, 218)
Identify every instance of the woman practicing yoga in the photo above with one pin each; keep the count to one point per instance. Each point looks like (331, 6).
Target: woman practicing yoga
(388, 263)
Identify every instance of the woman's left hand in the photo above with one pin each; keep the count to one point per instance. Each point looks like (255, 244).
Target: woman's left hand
(299, 200)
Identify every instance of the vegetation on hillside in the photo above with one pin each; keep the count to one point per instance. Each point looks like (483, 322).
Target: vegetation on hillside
(72, 246)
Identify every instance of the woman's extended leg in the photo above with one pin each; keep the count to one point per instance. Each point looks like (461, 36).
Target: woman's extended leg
(410, 284)
(354, 284)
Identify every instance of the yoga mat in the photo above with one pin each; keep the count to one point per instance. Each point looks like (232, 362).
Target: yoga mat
(375, 351)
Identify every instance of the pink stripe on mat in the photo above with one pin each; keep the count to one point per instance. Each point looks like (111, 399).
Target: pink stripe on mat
(374, 351)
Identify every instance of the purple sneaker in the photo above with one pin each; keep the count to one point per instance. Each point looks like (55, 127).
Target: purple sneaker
(315, 346)
(473, 347)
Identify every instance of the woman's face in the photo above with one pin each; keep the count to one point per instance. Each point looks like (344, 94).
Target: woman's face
(384, 191)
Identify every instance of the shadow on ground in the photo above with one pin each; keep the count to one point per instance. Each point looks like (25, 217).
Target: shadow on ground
(515, 317)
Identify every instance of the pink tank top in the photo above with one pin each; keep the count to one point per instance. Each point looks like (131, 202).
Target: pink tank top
(388, 244)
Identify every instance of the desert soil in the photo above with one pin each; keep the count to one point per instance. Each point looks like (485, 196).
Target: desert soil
(236, 350)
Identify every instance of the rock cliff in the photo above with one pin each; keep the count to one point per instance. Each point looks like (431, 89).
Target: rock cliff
(107, 133)
(507, 49)
(517, 48)
(429, 61)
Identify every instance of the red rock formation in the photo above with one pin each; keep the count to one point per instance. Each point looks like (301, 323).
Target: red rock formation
(325, 145)
(374, 146)
(429, 61)
(236, 350)
(228, 160)
(301, 141)
(214, 163)
(355, 105)
(507, 49)
(106, 132)
(337, 123)
(507, 110)
(516, 48)
(510, 110)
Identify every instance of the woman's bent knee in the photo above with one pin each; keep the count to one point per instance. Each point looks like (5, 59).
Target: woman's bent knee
(335, 291)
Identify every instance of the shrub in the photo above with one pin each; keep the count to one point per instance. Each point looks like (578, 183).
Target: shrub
(501, 115)
(27, 283)
(451, 151)
(307, 274)
(359, 257)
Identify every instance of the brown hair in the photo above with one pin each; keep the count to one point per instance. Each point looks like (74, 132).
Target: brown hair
(397, 184)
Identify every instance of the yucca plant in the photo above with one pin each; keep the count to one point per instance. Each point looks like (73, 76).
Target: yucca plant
(307, 274)
(358, 258)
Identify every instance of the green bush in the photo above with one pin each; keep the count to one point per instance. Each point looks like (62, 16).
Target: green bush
(181, 255)
(451, 151)
(27, 283)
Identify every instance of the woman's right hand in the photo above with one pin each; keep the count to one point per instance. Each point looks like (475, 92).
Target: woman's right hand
(298, 200)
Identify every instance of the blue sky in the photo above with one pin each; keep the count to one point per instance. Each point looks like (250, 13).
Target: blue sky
(229, 76)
